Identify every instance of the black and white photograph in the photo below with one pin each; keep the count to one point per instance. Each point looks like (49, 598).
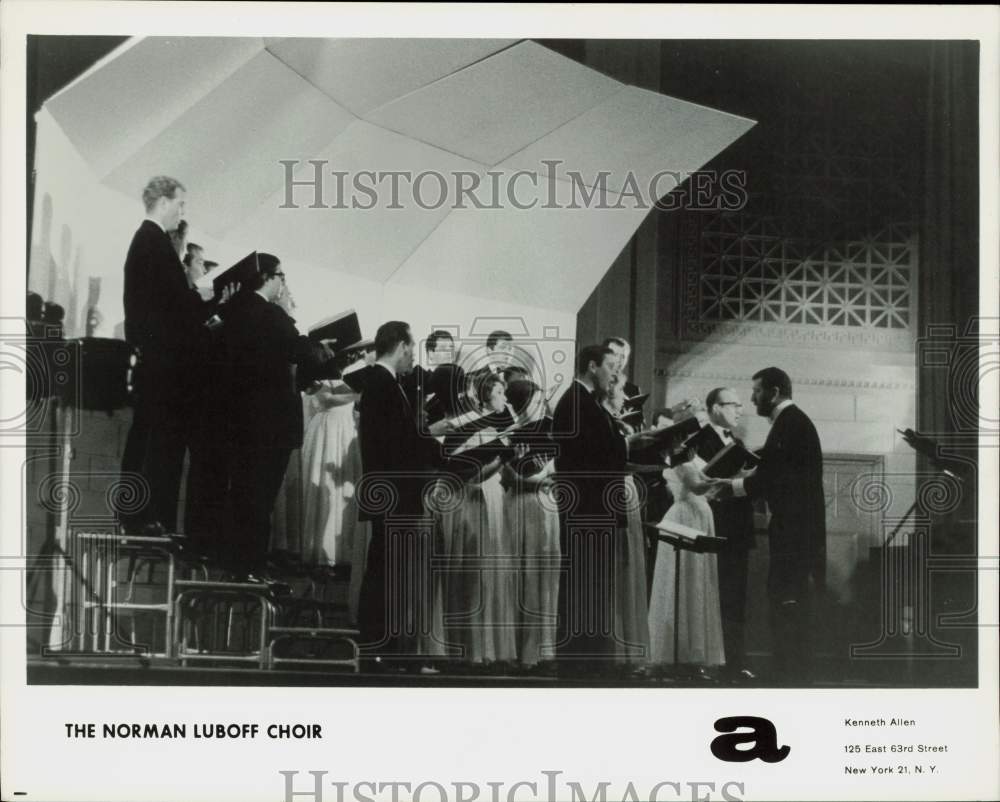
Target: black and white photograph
(397, 398)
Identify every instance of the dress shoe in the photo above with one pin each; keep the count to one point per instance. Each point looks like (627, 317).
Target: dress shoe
(274, 586)
(739, 676)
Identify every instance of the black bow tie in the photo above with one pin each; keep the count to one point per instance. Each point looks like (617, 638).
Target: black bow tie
(727, 433)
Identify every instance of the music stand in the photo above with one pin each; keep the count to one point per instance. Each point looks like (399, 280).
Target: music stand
(702, 544)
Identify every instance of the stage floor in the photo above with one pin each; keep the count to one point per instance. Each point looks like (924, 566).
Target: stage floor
(129, 670)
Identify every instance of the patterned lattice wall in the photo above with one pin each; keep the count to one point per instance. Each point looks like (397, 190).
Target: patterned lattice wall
(749, 272)
(825, 249)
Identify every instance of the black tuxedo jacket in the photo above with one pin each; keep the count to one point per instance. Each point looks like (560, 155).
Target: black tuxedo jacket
(263, 348)
(163, 315)
(733, 516)
(392, 449)
(591, 456)
(790, 477)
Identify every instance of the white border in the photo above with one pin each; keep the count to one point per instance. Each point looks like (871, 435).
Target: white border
(641, 735)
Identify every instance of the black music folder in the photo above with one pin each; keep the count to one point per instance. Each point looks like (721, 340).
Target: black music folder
(671, 439)
(730, 461)
(635, 403)
(240, 273)
(343, 328)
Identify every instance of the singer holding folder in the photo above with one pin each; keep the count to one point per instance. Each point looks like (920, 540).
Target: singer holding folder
(265, 414)
(480, 602)
(733, 519)
(698, 614)
(589, 478)
(397, 464)
(532, 524)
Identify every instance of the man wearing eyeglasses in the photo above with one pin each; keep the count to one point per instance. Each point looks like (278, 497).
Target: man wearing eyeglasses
(733, 521)
(263, 352)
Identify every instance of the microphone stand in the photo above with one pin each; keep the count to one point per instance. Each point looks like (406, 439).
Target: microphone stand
(928, 448)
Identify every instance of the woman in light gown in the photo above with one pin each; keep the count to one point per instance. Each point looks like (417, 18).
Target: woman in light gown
(331, 469)
(699, 617)
(631, 611)
(532, 521)
(480, 606)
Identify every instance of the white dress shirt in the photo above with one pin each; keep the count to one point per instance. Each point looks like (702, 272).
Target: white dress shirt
(721, 431)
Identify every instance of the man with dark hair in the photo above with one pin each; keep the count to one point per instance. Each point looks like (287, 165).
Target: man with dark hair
(194, 262)
(790, 478)
(265, 410)
(440, 347)
(445, 380)
(498, 349)
(591, 465)
(733, 519)
(395, 460)
(620, 347)
(163, 319)
(208, 447)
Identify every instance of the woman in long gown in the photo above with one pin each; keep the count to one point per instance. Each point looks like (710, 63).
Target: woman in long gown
(631, 611)
(480, 608)
(532, 521)
(699, 617)
(331, 469)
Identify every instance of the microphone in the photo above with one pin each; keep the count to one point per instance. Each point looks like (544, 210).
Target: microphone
(926, 446)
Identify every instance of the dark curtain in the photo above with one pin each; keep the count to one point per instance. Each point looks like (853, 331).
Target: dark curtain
(947, 348)
(949, 242)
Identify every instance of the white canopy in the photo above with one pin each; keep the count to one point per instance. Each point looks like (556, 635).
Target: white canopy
(222, 114)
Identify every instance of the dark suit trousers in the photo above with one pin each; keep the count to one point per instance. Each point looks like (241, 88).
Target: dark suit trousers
(168, 412)
(207, 485)
(396, 593)
(257, 474)
(789, 617)
(586, 638)
(732, 599)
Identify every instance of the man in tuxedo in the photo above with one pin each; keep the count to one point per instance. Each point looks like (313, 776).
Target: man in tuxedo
(205, 512)
(442, 378)
(264, 408)
(440, 348)
(499, 347)
(790, 478)
(655, 490)
(396, 463)
(733, 521)
(163, 319)
(590, 467)
(497, 358)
